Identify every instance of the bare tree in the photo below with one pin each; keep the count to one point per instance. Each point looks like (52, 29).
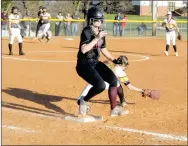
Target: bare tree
(116, 6)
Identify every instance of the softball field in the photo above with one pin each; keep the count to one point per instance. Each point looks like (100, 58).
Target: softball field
(39, 90)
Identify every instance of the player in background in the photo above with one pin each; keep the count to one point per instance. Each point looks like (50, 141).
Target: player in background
(39, 22)
(170, 25)
(45, 20)
(14, 30)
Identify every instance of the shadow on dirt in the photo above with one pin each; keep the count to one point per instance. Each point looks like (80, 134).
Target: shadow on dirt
(42, 99)
(38, 98)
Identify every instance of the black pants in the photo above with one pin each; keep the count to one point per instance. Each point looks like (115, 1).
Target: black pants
(96, 75)
(57, 29)
(38, 27)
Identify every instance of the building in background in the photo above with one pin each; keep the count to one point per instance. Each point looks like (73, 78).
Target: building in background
(145, 7)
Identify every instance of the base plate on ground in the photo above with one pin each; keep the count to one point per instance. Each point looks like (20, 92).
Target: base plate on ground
(68, 39)
(84, 119)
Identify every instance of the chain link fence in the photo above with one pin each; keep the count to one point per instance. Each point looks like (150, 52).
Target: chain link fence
(131, 29)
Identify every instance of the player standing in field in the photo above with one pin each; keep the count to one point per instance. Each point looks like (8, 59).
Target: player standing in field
(45, 20)
(170, 25)
(14, 30)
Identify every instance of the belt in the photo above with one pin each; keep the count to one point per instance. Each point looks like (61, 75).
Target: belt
(14, 27)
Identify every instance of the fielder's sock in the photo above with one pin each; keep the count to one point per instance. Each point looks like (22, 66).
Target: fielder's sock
(167, 48)
(175, 49)
(120, 94)
(112, 92)
(20, 47)
(10, 47)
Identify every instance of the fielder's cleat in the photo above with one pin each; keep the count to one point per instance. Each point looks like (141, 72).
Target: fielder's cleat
(47, 39)
(83, 107)
(10, 53)
(21, 53)
(42, 38)
(118, 111)
(123, 104)
(166, 53)
(176, 53)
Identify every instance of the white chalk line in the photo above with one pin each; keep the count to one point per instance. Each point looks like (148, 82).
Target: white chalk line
(27, 130)
(143, 58)
(35, 114)
(162, 136)
(159, 135)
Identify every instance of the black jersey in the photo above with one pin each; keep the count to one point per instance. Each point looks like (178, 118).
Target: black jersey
(39, 13)
(92, 55)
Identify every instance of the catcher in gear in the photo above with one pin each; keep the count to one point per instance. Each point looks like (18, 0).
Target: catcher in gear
(170, 26)
(119, 71)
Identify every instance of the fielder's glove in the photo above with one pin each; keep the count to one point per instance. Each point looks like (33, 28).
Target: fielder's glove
(153, 94)
(179, 36)
(163, 24)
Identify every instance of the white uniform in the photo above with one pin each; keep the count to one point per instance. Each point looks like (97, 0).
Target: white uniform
(170, 31)
(44, 29)
(118, 71)
(15, 28)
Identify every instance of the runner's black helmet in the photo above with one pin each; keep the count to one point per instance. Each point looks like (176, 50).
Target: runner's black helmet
(94, 13)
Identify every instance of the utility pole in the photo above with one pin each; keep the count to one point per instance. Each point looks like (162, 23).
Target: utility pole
(154, 17)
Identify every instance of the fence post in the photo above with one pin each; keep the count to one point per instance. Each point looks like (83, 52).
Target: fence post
(130, 29)
(29, 28)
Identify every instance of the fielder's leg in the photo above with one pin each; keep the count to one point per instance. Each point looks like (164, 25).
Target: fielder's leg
(174, 42)
(20, 43)
(11, 40)
(167, 43)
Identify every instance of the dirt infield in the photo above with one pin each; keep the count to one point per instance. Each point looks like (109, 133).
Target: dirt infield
(40, 88)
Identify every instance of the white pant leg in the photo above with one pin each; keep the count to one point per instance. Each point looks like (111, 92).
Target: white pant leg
(45, 27)
(168, 37)
(15, 33)
(173, 36)
(19, 37)
(49, 34)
